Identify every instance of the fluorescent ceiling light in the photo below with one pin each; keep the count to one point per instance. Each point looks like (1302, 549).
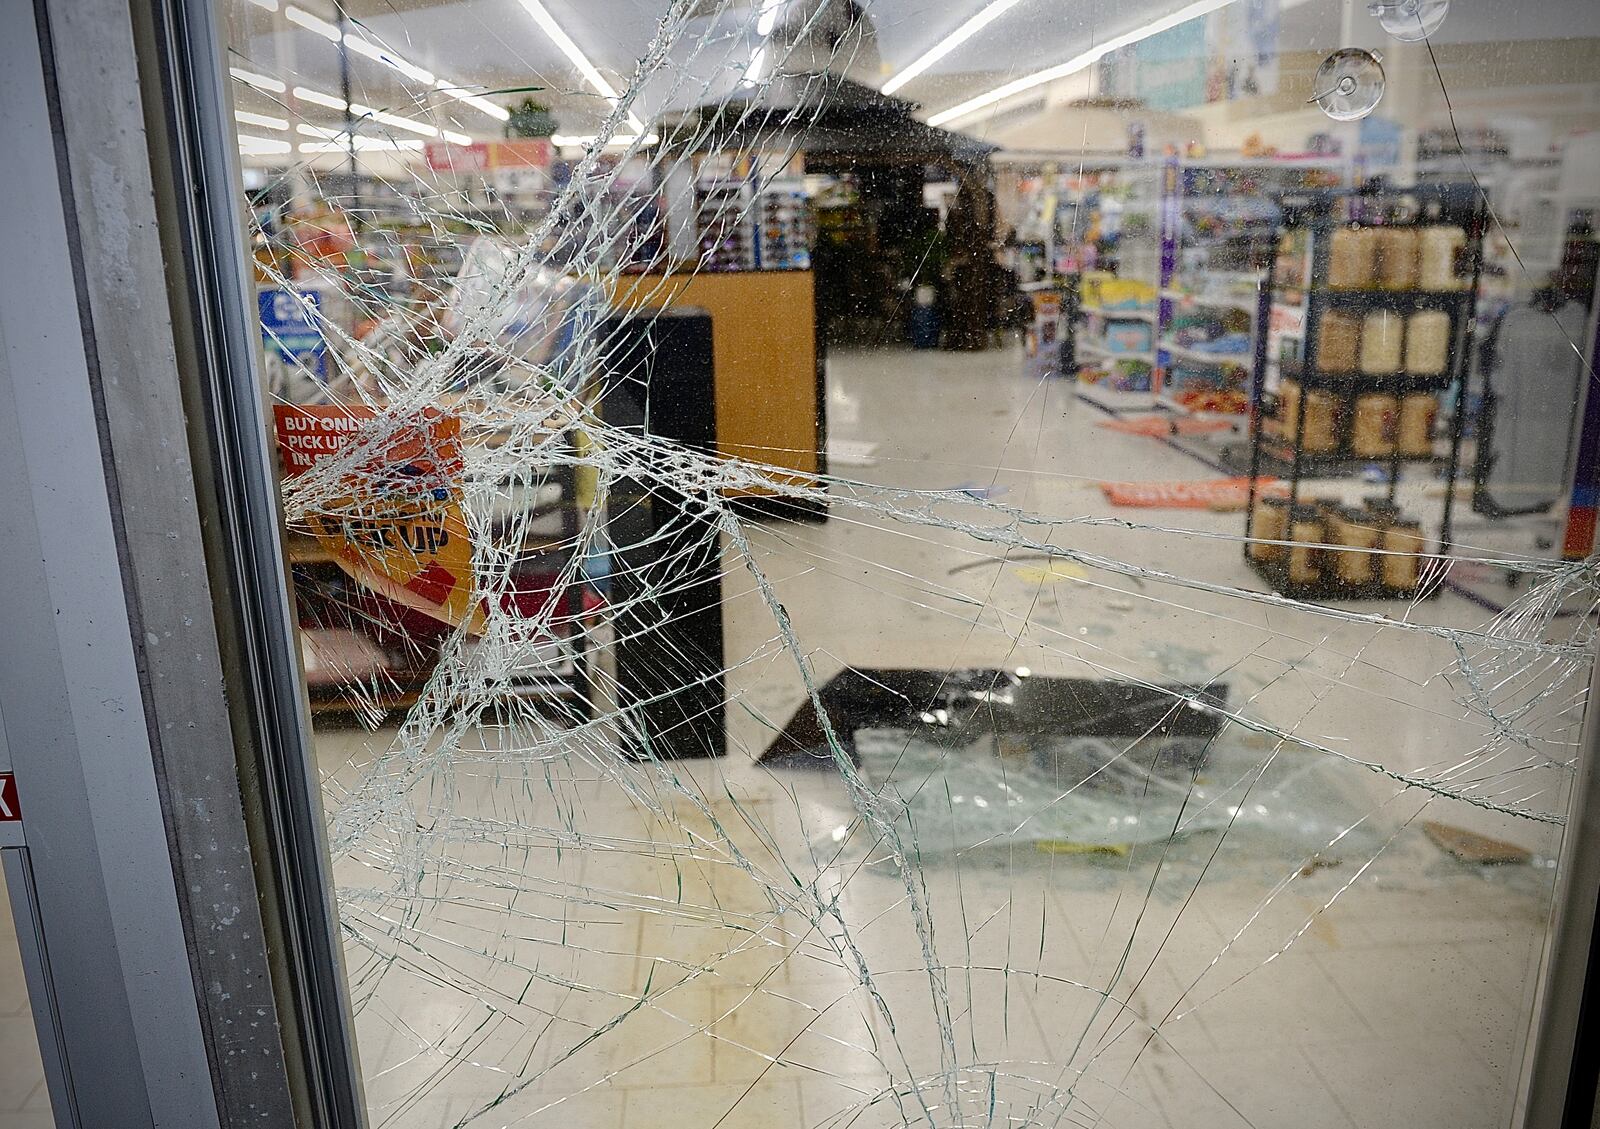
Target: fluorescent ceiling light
(616, 141)
(317, 97)
(561, 39)
(990, 12)
(269, 5)
(313, 24)
(768, 19)
(459, 93)
(457, 138)
(371, 50)
(397, 120)
(259, 81)
(400, 121)
(752, 73)
(362, 144)
(262, 120)
(1077, 63)
(252, 146)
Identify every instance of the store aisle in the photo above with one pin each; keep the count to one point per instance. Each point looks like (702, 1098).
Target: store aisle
(606, 944)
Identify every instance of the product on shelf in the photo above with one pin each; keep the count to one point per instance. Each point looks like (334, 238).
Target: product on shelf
(1382, 343)
(1353, 530)
(1414, 431)
(1383, 317)
(1352, 258)
(1305, 530)
(1271, 524)
(1428, 343)
(1440, 267)
(1403, 544)
(1396, 266)
(1338, 344)
(1372, 435)
(1321, 422)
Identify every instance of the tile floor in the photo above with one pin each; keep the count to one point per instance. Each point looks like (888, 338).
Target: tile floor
(24, 1104)
(538, 938)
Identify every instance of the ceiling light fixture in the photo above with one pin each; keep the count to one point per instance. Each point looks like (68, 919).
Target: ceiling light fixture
(456, 138)
(766, 20)
(363, 46)
(269, 5)
(262, 120)
(990, 12)
(314, 24)
(1077, 63)
(459, 94)
(259, 81)
(362, 144)
(318, 98)
(399, 121)
(252, 146)
(366, 47)
(615, 141)
(541, 16)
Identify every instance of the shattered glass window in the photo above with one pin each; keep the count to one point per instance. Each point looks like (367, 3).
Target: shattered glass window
(880, 562)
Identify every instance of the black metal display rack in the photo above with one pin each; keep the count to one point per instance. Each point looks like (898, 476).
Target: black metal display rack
(1283, 456)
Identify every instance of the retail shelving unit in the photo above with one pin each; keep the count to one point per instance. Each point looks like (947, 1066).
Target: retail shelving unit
(1115, 327)
(1218, 219)
(1325, 420)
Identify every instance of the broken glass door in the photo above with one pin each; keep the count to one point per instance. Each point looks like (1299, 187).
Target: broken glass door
(880, 562)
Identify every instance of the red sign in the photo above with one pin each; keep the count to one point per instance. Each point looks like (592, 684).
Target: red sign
(10, 810)
(445, 157)
(519, 153)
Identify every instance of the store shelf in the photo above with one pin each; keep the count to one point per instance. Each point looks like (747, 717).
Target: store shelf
(1093, 349)
(1199, 357)
(1275, 573)
(1396, 301)
(1247, 305)
(1131, 314)
(1308, 377)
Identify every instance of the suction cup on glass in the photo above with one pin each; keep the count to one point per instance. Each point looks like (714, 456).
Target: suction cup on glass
(1348, 84)
(1409, 20)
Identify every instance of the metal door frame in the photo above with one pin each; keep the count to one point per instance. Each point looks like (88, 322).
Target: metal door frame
(176, 884)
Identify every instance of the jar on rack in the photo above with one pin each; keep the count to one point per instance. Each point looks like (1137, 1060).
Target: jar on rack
(1306, 535)
(1269, 522)
(1338, 341)
(1402, 561)
(1321, 422)
(1352, 530)
(1428, 343)
(1414, 429)
(1352, 259)
(1439, 262)
(1382, 341)
(1397, 255)
(1372, 433)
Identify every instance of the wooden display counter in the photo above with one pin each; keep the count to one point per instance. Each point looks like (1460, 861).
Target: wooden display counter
(769, 399)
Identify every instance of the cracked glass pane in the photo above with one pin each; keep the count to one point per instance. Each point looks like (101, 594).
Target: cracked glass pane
(878, 562)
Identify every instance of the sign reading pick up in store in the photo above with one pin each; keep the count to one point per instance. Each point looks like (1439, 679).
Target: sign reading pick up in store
(393, 519)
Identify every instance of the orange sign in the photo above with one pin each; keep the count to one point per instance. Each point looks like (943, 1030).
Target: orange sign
(399, 529)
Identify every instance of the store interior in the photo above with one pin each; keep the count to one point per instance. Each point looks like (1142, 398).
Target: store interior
(876, 562)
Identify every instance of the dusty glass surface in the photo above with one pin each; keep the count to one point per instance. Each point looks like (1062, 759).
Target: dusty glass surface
(1114, 482)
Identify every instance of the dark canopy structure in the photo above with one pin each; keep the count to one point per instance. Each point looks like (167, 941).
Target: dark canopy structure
(870, 256)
